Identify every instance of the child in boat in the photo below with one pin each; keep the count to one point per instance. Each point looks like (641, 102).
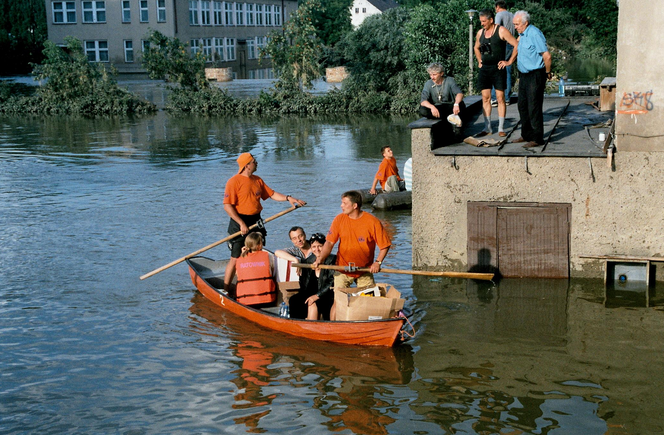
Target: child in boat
(256, 284)
(388, 174)
(316, 294)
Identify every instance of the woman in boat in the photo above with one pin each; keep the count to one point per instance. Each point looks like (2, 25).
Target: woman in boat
(256, 285)
(316, 294)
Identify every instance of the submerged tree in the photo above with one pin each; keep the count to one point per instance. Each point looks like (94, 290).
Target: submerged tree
(295, 53)
(169, 59)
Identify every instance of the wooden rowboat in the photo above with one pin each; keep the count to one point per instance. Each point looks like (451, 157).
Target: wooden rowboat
(207, 276)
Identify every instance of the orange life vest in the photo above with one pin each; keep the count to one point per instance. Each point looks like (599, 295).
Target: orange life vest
(255, 284)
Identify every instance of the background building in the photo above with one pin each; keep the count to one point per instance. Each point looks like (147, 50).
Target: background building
(361, 9)
(229, 33)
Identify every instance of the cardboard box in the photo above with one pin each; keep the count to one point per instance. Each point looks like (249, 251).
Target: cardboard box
(351, 307)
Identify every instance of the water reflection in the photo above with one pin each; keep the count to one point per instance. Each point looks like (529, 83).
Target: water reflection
(344, 383)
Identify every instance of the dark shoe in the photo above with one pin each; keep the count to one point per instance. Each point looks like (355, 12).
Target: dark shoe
(502, 134)
(531, 144)
(519, 140)
(482, 133)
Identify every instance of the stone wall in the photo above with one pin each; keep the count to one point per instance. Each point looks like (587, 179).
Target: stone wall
(336, 75)
(620, 212)
(219, 74)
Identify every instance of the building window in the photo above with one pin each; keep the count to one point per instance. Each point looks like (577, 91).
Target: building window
(207, 48)
(96, 51)
(129, 51)
(218, 14)
(357, 10)
(193, 12)
(364, 10)
(161, 11)
(250, 14)
(251, 48)
(64, 12)
(94, 12)
(219, 49)
(261, 42)
(229, 44)
(259, 15)
(277, 15)
(144, 11)
(268, 15)
(195, 46)
(126, 11)
(228, 8)
(239, 14)
(205, 13)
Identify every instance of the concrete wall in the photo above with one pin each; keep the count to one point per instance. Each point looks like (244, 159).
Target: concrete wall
(364, 10)
(639, 102)
(618, 213)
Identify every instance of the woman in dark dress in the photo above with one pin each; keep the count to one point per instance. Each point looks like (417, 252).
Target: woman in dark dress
(316, 294)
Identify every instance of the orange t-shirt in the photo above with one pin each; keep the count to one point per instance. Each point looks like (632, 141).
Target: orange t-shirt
(245, 193)
(387, 168)
(358, 239)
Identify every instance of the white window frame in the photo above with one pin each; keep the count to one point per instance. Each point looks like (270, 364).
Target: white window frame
(259, 15)
(128, 50)
(194, 46)
(239, 14)
(207, 48)
(268, 15)
(251, 48)
(219, 49)
(206, 12)
(64, 11)
(143, 11)
(229, 45)
(218, 13)
(95, 10)
(161, 11)
(145, 45)
(277, 15)
(229, 11)
(99, 47)
(126, 11)
(193, 13)
(249, 10)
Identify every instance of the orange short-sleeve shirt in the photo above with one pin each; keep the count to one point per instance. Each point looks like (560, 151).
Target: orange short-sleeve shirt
(245, 193)
(387, 168)
(358, 239)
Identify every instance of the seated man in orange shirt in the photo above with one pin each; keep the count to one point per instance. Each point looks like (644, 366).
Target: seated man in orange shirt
(242, 202)
(388, 174)
(358, 234)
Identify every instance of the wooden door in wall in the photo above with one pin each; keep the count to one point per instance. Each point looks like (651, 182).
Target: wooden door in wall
(519, 239)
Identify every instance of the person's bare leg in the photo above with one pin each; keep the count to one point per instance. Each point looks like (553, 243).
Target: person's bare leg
(486, 110)
(502, 109)
(229, 275)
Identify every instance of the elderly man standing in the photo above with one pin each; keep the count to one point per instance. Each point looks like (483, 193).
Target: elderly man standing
(534, 65)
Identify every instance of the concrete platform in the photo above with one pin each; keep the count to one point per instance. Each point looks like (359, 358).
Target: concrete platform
(570, 138)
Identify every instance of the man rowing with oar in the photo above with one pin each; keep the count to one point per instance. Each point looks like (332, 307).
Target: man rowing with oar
(358, 234)
(242, 201)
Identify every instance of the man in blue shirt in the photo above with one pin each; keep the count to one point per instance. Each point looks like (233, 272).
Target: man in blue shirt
(534, 65)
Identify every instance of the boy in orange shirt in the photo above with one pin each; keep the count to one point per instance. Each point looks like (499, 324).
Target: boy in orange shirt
(388, 174)
(242, 202)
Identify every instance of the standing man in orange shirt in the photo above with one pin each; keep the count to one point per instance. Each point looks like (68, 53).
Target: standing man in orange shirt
(388, 174)
(358, 234)
(242, 202)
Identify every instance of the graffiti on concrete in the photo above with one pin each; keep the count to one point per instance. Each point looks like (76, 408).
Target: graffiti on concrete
(636, 103)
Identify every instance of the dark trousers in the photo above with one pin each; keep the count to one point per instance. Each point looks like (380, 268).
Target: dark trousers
(445, 133)
(531, 98)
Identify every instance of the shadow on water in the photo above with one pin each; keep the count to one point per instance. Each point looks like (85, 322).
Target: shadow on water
(347, 380)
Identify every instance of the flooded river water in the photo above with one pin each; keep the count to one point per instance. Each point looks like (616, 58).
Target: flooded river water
(88, 206)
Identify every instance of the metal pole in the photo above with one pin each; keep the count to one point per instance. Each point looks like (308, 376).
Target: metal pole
(470, 56)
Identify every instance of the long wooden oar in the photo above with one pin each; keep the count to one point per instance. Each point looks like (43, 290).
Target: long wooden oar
(469, 275)
(225, 239)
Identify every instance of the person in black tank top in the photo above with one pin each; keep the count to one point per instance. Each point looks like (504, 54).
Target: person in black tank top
(490, 45)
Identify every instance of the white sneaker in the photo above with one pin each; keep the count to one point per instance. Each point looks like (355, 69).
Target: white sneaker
(494, 103)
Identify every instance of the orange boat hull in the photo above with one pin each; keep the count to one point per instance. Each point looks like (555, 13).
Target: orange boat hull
(364, 333)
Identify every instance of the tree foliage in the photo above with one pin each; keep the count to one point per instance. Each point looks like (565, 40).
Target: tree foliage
(295, 52)
(22, 34)
(169, 59)
(332, 22)
(71, 84)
